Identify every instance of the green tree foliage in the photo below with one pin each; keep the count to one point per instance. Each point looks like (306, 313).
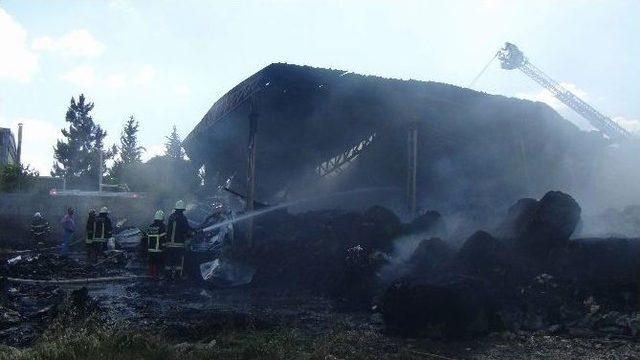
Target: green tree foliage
(77, 155)
(129, 150)
(173, 146)
(15, 177)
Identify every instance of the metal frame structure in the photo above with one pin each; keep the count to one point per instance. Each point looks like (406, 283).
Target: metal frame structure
(512, 58)
(412, 168)
(341, 162)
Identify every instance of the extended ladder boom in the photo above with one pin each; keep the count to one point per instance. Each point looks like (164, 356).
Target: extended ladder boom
(512, 58)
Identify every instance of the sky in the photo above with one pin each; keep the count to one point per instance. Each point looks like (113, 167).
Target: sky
(167, 61)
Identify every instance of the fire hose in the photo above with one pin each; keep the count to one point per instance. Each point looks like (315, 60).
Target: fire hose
(75, 281)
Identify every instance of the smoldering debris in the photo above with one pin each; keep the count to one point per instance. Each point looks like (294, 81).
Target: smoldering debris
(46, 266)
(533, 278)
(526, 274)
(27, 312)
(224, 272)
(310, 250)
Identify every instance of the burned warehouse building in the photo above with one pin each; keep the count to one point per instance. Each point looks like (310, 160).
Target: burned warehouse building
(319, 180)
(293, 131)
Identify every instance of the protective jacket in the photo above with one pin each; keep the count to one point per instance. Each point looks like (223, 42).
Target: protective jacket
(39, 226)
(156, 236)
(104, 229)
(178, 229)
(91, 228)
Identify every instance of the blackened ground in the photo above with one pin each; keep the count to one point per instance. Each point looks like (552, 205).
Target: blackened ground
(309, 266)
(160, 320)
(148, 320)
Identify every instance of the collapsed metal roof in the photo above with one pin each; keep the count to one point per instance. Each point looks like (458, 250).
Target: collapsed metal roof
(321, 129)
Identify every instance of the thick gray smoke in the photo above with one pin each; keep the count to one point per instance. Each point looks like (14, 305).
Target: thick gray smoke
(610, 199)
(397, 266)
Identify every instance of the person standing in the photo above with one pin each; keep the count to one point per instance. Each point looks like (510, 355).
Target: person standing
(91, 232)
(178, 231)
(156, 235)
(69, 227)
(39, 229)
(104, 230)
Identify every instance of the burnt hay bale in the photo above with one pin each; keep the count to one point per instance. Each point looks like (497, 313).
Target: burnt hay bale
(518, 218)
(481, 253)
(555, 219)
(431, 254)
(380, 226)
(430, 223)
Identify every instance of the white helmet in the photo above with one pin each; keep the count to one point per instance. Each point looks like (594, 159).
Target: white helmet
(104, 210)
(180, 205)
(159, 215)
(37, 215)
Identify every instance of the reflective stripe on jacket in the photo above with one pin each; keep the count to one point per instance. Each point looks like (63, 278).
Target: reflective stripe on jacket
(103, 228)
(156, 235)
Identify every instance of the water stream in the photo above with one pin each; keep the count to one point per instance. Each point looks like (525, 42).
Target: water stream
(296, 202)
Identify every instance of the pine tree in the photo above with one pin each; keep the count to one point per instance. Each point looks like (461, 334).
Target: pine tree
(77, 155)
(129, 150)
(173, 146)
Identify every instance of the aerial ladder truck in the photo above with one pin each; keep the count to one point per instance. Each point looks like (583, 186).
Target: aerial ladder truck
(512, 58)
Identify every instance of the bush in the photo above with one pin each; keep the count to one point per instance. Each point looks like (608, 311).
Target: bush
(16, 178)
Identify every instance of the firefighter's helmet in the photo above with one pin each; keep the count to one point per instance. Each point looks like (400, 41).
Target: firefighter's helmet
(159, 215)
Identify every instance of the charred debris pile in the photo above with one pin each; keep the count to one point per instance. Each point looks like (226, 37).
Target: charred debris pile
(47, 265)
(525, 274)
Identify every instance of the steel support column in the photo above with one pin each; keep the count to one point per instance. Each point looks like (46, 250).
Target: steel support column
(412, 167)
(251, 175)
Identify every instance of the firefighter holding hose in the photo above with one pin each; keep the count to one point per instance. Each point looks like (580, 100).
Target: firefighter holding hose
(178, 233)
(156, 237)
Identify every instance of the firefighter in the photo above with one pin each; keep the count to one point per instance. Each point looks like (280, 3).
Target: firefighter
(91, 232)
(178, 232)
(39, 229)
(156, 236)
(104, 231)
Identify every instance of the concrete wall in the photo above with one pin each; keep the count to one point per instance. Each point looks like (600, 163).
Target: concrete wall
(16, 212)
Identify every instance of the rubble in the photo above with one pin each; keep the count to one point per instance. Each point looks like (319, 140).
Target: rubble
(554, 220)
(307, 251)
(483, 253)
(431, 255)
(26, 311)
(380, 225)
(429, 224)
(492, 283)
(459, 309)
(47, 266)
(536, 279)
(518, 218)
(226, 273)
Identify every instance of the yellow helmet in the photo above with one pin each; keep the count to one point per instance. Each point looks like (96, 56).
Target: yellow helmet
(104, 210)
(180, 205)
(159, 215)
